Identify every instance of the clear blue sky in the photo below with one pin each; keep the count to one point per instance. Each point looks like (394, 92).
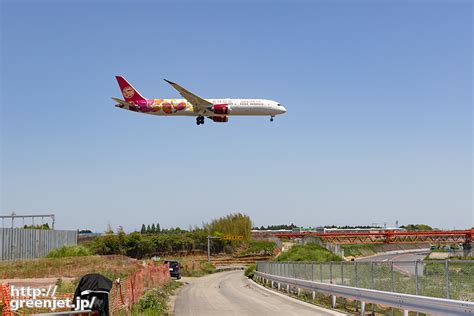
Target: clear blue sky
(379, 122)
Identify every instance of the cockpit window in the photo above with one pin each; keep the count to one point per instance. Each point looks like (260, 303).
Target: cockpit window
(278, 104)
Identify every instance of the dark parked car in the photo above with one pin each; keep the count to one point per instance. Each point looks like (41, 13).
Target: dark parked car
(174, 268)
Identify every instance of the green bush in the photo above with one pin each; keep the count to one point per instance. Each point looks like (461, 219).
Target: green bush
(155, 301)
(249, 272)
(308, 252)
(69, 251)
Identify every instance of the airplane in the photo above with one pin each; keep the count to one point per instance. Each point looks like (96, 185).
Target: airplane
(218, 110)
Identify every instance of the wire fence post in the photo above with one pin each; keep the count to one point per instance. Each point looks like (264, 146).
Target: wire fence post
(446, 272)
(416, 278)
(321, 271)
(342, 273)
(356, 275)
(330, 272)
(312, 271)
(372, 285)
(391, 276)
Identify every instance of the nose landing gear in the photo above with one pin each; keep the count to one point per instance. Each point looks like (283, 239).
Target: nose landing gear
(200, 120)
(271, 118)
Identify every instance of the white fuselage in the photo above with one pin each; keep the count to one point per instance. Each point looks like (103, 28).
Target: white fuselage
(182, 107)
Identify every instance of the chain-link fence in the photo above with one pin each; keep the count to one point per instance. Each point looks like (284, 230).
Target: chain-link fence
(452, 279)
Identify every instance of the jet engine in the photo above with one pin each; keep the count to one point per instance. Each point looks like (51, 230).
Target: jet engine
(220, 119)
(220, 109)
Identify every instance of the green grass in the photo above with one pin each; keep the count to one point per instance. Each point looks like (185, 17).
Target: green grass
(357, 250)
(69, 251)
(198, 269)
(308, 252)
(110, 266)
(155, 301)
(258, 248)
(66, 286)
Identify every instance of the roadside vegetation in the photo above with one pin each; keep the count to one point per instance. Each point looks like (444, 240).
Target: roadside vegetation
(155, 301)
(69, 267)
(257, 248)
(250, 270)
(69, 251)
(308, 252)
(197, 269)
(358, 250)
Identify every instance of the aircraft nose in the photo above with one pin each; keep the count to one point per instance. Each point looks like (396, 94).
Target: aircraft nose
(282, 109)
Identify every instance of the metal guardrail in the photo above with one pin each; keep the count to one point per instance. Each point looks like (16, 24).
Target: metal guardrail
(406, 302)
(448, 279)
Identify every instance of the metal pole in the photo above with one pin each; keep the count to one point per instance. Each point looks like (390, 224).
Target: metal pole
(321, 271)
(208, 249)
(312, 271)
(342, 273)
(391, 276)
(446, 272)
(372, 285)
(357, 277)
(416, 278)
(330, 272)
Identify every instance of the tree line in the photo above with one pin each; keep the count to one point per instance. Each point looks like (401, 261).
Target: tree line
(276, 227)
(156, 241)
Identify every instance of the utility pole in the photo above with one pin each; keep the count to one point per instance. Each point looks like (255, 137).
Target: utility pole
(209, 247)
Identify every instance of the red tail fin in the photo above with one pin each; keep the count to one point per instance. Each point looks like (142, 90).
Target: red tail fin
(129, 93)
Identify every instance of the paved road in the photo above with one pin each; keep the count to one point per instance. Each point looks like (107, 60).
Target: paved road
(410, 256)
(403, 262)
(231, 293)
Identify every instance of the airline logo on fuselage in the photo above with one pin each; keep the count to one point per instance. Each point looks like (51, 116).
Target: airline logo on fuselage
(128, 92)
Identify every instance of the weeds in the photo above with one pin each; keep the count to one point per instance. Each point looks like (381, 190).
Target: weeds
(69, 251)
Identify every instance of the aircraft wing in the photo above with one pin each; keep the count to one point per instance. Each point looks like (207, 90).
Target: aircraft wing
(198, 103)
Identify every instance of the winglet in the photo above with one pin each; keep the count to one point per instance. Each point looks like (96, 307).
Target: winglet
(170, 82)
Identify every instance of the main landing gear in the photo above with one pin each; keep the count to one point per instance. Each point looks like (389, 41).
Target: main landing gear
(271, 118)
(200, 120)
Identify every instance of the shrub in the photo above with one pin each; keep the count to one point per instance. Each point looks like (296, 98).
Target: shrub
(155, 301)
(249, 272)
(69, 251)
